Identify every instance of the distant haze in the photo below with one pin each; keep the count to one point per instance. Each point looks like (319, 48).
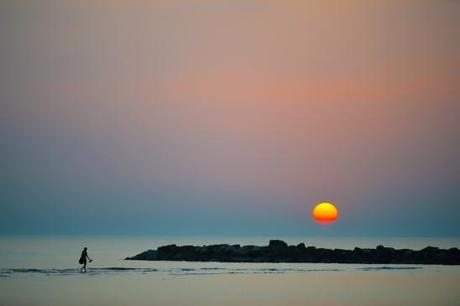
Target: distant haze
(229, 117)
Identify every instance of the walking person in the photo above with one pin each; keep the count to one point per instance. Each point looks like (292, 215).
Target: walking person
(84, 259)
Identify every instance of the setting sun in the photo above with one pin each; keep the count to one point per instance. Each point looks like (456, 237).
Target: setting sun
(325, 213)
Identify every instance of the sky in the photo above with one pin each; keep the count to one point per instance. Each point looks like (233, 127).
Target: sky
(233, 117)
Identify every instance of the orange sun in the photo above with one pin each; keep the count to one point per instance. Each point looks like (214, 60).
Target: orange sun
(325, 213)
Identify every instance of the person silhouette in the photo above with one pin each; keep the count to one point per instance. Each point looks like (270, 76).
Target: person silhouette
(83, 259)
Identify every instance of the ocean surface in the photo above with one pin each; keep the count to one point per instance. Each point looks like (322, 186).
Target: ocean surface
(44, 270)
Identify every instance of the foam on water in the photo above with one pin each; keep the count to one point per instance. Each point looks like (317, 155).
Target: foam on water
(388, 268)
(186, 271)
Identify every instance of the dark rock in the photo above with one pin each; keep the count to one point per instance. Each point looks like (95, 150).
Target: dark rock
(279, 251)
(147, 255)
(277, 244)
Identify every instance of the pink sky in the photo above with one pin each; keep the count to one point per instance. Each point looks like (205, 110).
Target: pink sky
(236, 106)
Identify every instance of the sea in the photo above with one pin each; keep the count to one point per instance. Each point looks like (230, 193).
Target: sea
(44, 270)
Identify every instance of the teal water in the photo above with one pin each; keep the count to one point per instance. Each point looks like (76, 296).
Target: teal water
(44, 270)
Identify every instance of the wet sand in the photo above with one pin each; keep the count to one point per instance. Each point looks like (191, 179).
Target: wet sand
(437, 286)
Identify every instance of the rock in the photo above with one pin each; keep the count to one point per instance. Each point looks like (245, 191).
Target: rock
(279, 251)
(277, 244)
(147, 255)
(384, 255)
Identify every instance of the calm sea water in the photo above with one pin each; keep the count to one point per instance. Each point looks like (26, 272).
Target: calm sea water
(43, 270)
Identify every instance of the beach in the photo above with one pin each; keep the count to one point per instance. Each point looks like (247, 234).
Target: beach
(44, 271)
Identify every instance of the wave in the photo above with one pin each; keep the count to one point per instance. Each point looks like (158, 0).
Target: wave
(184, 271)
(388, 268)
(213, 271)
(76, 271)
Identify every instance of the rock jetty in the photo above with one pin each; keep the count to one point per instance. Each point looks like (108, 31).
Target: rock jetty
(279, 251)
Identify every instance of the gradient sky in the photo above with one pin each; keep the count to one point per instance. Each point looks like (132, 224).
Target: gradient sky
(229, 117)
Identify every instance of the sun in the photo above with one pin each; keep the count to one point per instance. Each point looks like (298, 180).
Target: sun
(325, 213)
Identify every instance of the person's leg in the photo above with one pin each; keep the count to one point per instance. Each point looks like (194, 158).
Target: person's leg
(84, 266)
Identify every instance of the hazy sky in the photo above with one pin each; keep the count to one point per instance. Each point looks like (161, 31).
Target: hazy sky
(229, 117)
